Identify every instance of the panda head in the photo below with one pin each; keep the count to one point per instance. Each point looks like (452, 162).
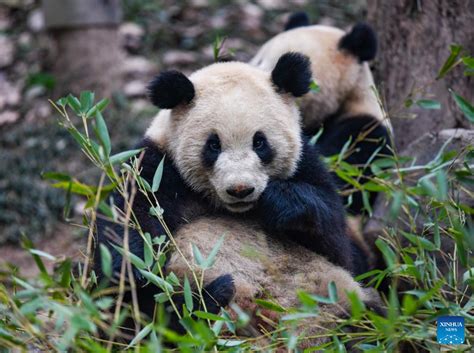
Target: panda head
(229, 128)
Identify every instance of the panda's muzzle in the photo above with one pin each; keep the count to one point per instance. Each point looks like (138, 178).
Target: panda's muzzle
(240, 192)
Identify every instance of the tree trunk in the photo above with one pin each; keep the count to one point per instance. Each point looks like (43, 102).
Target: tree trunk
(88, 48)
(414, 40)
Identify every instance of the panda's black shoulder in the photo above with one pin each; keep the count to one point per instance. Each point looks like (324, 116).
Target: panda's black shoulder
(311, 165)
(152, 157)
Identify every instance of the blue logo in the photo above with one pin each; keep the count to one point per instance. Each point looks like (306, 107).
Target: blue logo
(450, 330)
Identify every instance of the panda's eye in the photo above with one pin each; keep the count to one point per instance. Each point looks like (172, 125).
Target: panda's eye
(211, 150)
(259, 141)
(213, 143)
(262, 148)
(215, 146)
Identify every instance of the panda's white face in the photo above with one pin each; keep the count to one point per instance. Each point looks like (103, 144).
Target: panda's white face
(236, 134)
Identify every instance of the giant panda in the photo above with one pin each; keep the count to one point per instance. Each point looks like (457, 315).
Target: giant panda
(346, 106)
(236, 159)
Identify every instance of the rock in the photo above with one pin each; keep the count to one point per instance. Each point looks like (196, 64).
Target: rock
(179, 57)
(131, 36)
(139, 105)
(193, 31)
(41, 111)
(272, 4)
(218, 21)
(7, 50)
(35, 21)
(25, 40)
(137, 66)
(34, 92)
(199, 3)
(135, 88)
(10, 94)
(8, 117)
(251, 17)
(5, 21)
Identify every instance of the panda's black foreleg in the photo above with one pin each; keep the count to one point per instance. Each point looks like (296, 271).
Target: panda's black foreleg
(172, 196)
(308, 215)
(216, 295)
(308, 208)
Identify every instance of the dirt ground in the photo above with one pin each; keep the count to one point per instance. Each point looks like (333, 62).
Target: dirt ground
(65, 241)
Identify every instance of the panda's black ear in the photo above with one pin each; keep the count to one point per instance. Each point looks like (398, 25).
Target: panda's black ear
(292, 74)
(297, 19)
(361, 42)
(169, 89)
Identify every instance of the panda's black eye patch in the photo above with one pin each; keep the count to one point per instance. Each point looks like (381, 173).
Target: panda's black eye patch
(262, 147)
(211, 150)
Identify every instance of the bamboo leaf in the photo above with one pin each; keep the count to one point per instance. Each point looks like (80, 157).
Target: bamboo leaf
(148, 250)
(314, 87)
(464, 106)
(134, 259)
(208, 316)
(332, 290)
(106, 260)
(450, 61)
(270, 305)
(188, 295)
(74, 103)
(141, 335)
(123, 156)
(86, 100)
(197, 255)
(158, 281)
(158, 176)
(428, 104)
(103, 133)
(387, 252)
(212, 255)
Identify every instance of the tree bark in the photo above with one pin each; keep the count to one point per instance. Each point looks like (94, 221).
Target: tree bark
(88, 48)
(414, 40)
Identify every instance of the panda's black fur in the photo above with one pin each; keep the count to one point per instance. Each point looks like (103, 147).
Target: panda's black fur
(361, 41)
(297, 19)
(175, 88)
(337, 131)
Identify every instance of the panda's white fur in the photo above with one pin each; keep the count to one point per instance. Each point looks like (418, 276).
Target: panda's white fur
(346, 84)
(228, 101)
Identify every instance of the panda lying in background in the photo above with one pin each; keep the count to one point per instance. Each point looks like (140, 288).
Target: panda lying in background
(237, 161)
(346, 105)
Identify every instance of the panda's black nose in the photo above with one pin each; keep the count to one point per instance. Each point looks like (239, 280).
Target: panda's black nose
(240, 192)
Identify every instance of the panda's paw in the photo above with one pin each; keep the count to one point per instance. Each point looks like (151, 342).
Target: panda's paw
(219, 293)
(284, 208)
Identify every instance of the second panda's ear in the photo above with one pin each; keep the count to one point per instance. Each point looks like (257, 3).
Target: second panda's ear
(292, 74)
(361, 42)
(169, 89)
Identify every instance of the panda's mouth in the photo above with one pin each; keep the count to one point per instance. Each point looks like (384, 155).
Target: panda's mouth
(239, 207)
